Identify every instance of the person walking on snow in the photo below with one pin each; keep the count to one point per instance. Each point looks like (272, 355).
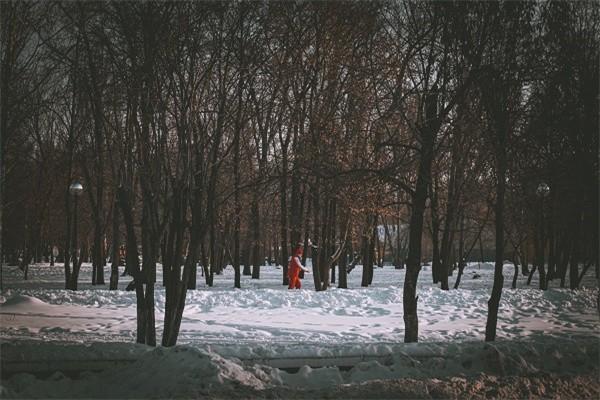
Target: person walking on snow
(294, 268)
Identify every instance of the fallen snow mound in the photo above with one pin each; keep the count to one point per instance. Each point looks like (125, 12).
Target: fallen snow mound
(22, 301)
(184, 371)
(180, 371)
(505, 358)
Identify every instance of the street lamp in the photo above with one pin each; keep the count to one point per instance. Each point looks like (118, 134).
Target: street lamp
(75, 189)
(542, 191)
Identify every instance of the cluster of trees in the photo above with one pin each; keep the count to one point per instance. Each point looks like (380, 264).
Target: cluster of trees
(215, 133)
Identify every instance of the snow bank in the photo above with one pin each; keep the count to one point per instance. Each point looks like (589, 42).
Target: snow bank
(22, 302)
(308, 378)
(162, 373)
(183, 371)
(497, 358)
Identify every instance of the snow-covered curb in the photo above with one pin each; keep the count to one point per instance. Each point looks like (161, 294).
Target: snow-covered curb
(182, 370)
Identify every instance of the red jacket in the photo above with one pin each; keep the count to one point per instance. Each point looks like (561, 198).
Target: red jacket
(295, 264)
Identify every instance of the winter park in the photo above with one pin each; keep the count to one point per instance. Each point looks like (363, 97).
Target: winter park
(299, 200)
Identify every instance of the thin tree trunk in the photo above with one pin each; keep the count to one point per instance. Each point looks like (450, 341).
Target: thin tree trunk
(436, 265)
(583, 272)
(516, 274)
(246, 259)
(343, 267)
(114, 267)
(256, 258)
(236, 152)
(413, 260)
(524, 261)
(531, 272)
(133, 262)
(494, 301)
(213, 253)
(501, 167)
(575, 253)
(238, 206)
(367, 259)
(317, 238)
(284, 211)
(68, 250)
(98, 256)
(75, 258)
(326, 245)
(481, 251)
(373, 241)
(461, 268)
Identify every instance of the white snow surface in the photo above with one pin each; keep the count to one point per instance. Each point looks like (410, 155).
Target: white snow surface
(226, 332)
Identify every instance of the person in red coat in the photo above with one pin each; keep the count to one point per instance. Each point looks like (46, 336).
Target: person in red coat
(294, 268)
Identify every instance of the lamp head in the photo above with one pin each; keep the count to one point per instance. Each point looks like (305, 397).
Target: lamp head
(76, 188)
(543, 190)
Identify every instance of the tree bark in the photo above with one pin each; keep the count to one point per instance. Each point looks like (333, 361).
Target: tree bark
(436, 265)
(256, 256)
(343, 267)
(516, 274)
(413, 260)
(114, 267)
(133, 262)
(494, 301)
(284, 211)
(317, 236)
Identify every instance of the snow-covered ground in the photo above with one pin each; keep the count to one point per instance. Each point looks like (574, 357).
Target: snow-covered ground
(554, 331)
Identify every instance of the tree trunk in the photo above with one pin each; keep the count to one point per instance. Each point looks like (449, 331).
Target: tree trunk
(461, 268)
(516, 274)
(541, 249)
(575, 252)
(256, 257)
(317, 238)
(367, 252)
(436, 265)
(373, 241)
(446, 251)
(236, 150)
(333, 274)
(481, 251)
(284, 211)
(213, 253)
(328, 232)
(500, 141)
(68, 251)
(114, 267)
(551, 254)
(582, 274)
(238, 206)
(524, 262)
(146, 278)
(133, 262)
(74, 245)
(246, 259)
(494, 301)
(343, 266)
(533, 269)
(413, 260)
(98, 255)
(191, 283)
(150, 320)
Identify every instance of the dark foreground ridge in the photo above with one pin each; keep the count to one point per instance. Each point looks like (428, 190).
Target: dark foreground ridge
(548, 386)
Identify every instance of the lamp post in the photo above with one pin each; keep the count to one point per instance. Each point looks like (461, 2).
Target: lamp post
(75, 190)
(542, 191)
